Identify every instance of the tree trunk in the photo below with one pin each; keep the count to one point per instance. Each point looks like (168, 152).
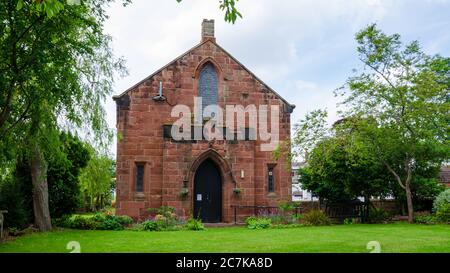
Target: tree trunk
(409, 202)
(38, 167)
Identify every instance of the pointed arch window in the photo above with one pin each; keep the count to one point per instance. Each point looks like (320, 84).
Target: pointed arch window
(208, 85)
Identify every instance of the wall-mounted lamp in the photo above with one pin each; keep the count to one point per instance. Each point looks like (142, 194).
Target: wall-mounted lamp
(242, 174)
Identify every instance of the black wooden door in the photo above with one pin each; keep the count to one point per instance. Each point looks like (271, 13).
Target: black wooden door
(208, 193)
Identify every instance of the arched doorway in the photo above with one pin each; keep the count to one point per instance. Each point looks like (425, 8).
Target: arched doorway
(208, 192)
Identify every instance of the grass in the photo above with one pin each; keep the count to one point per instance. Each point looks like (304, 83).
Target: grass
(398, 237)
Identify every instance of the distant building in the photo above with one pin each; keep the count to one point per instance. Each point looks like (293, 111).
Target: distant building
(298, 193)
(444, 176)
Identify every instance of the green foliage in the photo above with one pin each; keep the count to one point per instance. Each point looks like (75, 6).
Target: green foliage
(12, 199)
(62, 177)
(150, 225)
(98, 221)
(57, 69)
(194, 224)
(124, 220)
(342, 167)
(443, 213)
(348, 221)
(97, 181)
(258, 222)
(378, 215)
(399, 104)
(425, 218)
(309, 132)
(286, 209)
(165, 218)
(79, 222)
(316, 218)
(231, 12)
(441, 200)
(63, 173)
(441, 206)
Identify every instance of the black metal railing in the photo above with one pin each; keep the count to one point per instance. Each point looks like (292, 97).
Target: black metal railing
(342, 211)
(259, 211)
(337, 211)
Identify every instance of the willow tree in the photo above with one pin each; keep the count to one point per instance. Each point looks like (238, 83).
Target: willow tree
(401, 97)
(57, 68)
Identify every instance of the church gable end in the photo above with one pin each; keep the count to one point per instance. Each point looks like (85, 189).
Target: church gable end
(144, 120)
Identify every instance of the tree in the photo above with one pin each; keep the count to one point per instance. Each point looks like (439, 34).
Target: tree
(309, 132)
(97, 181)
(56, 68)
(401, 99)
(56, 72)
(231, 12)
(63, 182)
(52, 7)
(341, 167)
(63, 175)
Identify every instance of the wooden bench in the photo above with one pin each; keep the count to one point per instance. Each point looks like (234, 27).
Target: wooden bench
(2, 218)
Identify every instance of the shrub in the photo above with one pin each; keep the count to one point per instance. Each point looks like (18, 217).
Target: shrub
(441, 206)
(165, 217)
(443, 213)
(13, 199)
(441, 199)
(124, 220)
(286, 209)
(348, 221)
(297, 218)
(150, 226)
(316, 218)
(194, 224)
(110, 223)
(425, 218)
(258, 222)
(80, 222)
(378, 215)
(98, 221)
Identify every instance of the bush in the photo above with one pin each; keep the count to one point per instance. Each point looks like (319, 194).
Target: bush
(150, 226)
(165, 217)
(441, 206)
(14, 201)
(99, 221)
(258, 222)
(443, 213)
(425, 218)
(110, 223)
(378, 215)
(194, 224)
(316, 218)
(124, 220)
(80, 222)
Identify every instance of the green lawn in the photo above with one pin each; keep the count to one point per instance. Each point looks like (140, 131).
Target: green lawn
(397, 237)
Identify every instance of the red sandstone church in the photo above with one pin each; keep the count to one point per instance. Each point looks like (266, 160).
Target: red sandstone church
(201, 178)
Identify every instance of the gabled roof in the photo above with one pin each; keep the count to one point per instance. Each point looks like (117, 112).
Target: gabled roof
(189, 51)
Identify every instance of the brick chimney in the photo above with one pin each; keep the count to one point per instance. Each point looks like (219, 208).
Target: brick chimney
(208, 30)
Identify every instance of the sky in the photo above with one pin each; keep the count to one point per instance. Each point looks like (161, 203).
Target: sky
(303, 49)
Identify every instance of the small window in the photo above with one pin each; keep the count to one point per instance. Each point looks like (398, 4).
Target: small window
(139, 177)
(271, 181)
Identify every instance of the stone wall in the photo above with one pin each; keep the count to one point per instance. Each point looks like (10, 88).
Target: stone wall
(168, 164)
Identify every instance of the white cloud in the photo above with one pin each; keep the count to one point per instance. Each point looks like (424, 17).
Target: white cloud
(304, 49)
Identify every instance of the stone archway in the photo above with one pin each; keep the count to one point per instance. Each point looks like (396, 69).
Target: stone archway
(226, 178)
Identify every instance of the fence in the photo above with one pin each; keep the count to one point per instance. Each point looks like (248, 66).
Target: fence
(338, 212)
